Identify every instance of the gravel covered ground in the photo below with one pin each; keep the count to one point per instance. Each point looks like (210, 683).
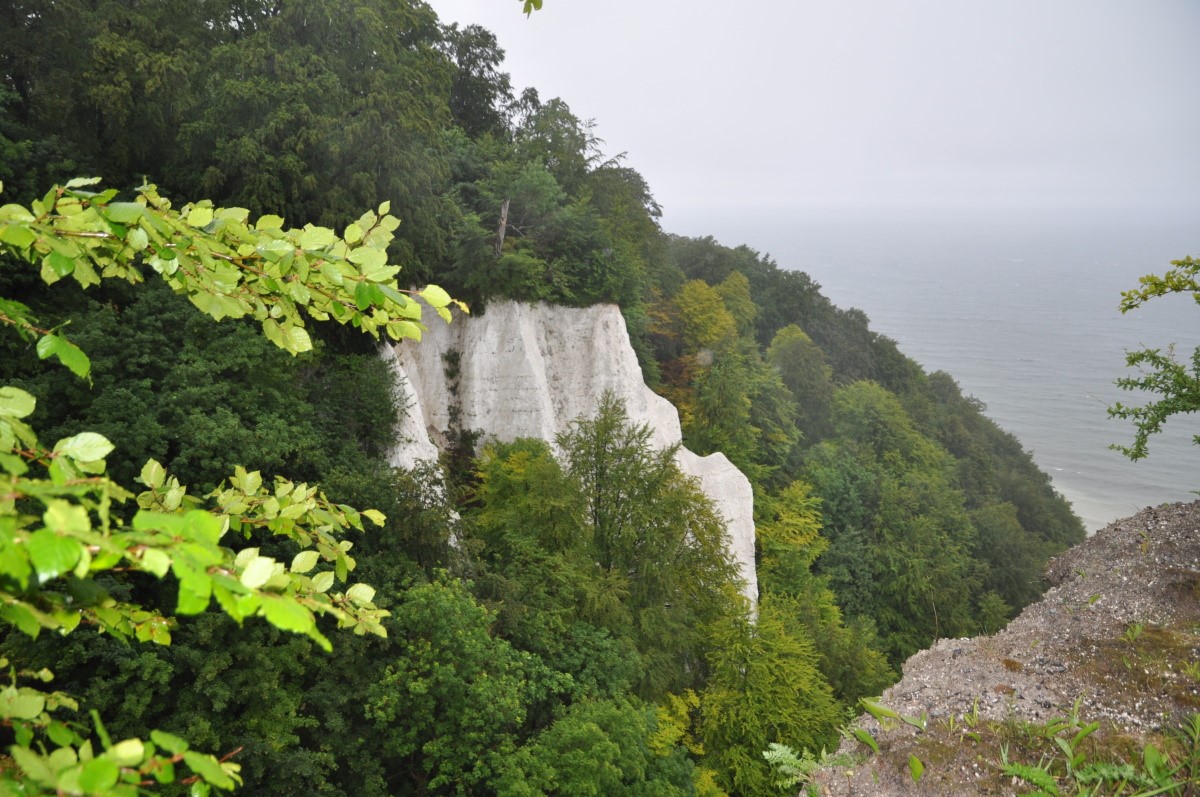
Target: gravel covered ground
(1117, 632)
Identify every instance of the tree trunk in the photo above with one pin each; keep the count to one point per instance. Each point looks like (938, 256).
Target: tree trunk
(501, 229)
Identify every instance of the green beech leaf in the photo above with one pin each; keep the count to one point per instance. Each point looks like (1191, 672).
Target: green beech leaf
(298, 340)
(382, 274)
(16, 234)
(65, 518)
(60, 263)
(361, 594)
(274, 332)
(404, 329)
(275, 249)
(366, 294)
(399, 298)
(251, 482)
(258, 572)
(124, 212)
(199, 216)
(127, 753)
(153, 474)
(16, 403)
(21, 704)
(84, 565)
(317, 237)
(85, 447)
(61, 759)
(202, 525)
(12, 464)
(194, 595)
(227, 602)
(368, 258)
(137, 239)
(323, 581)
(51, 554)
(99, 775)
(209, 769)
(244, 557)
(156, 561)
(33, 765)
(375, 516)
(435, 296)
(16, 213)
(304, 561)
(286, 614)
(19, 615)
(172, 744)
(60, 734)
(67, 353)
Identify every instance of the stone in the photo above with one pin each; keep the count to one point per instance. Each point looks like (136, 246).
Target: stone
(530, 370)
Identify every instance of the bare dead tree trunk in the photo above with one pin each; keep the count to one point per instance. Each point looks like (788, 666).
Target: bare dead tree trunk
(502, 228)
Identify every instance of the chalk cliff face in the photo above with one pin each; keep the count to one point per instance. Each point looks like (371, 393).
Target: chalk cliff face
(529, 371)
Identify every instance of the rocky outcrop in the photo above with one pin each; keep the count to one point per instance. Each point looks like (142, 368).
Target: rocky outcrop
(529, 370)
(1115, 640)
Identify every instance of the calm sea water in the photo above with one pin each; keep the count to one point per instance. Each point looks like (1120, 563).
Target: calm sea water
(1022, 312)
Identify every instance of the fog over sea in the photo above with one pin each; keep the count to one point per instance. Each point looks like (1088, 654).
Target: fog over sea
(1021, 309)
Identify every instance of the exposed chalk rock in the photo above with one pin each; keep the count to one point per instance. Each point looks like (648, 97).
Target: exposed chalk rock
(529, 370)
(413, 444)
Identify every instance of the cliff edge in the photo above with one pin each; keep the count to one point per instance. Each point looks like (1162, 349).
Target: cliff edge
(530, 370)
(1115, 640)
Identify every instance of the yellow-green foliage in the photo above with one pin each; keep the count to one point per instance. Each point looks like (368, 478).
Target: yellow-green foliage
(795, 521)
(765, 687)
(735, 293)
(705, 781)
(705, 321)
(675, 724)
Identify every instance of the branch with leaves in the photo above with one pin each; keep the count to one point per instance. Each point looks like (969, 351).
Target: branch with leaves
(62, 520)
(1175, 383)
(226, 266)
(1183, 278)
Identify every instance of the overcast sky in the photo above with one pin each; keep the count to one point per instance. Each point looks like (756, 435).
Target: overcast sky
(893, 103)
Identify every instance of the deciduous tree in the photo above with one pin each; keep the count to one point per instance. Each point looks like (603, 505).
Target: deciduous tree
(60, 521)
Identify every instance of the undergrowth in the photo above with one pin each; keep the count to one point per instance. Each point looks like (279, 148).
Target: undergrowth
(1062, 757)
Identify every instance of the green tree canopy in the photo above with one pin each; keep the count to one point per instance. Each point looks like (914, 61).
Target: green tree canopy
(619, 540)
(766, 687)
(901, 540)
(801, 364)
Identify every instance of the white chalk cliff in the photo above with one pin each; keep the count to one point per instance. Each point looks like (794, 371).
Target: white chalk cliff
(529, 370)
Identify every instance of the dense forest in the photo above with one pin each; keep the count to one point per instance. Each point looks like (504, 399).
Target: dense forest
(556, 626)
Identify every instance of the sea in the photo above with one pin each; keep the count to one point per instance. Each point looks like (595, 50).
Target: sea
(1021, 308)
